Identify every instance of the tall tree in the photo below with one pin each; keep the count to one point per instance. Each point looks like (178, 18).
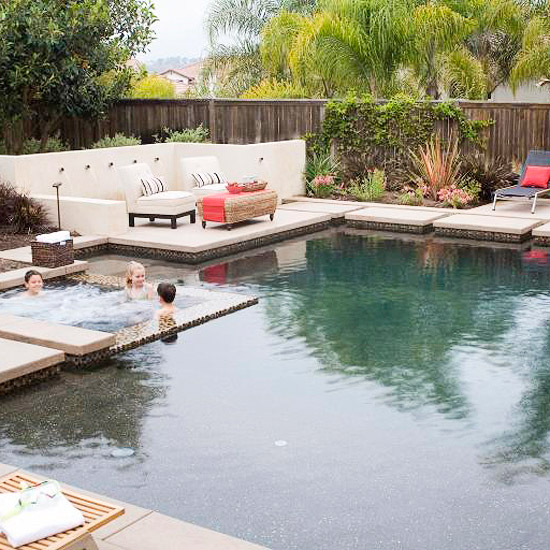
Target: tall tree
(65, 58)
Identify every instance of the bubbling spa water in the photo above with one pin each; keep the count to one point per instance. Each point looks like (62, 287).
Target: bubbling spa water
(83, 305)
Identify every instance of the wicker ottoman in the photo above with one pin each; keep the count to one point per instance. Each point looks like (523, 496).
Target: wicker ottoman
(232, 208)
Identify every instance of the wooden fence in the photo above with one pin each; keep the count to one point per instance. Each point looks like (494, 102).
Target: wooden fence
(518, 126)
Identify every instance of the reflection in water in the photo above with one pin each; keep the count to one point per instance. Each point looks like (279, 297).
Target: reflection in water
(85, 409)
(403, 314)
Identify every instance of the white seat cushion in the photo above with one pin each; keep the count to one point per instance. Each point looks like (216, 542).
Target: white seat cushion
(161, 198)
(168, 202)
(209, 189)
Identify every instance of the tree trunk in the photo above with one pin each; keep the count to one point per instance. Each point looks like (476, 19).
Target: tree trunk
(46, 128)
(13, 136)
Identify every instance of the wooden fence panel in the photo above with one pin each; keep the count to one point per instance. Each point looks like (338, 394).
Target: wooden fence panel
(518, 126)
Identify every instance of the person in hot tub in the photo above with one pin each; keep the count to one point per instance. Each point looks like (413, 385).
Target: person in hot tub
(136, 286)
(33, 284)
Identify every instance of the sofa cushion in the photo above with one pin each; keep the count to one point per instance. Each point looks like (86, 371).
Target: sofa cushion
(209, 189)
(168, 202)
(153, 184)
(196, 165)
(208, 178)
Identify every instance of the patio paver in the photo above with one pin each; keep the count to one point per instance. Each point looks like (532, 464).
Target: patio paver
(72, 340)
(20, 359)
(515, 209)
(160, 531)
(489, 228)
(336, 211)
(405, 220)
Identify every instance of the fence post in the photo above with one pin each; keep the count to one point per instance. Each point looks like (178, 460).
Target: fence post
(212, 120)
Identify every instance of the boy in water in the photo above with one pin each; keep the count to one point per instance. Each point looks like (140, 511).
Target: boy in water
(33, 283)
(167, 293)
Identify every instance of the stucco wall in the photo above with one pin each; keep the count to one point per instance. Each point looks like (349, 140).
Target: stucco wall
(92, 173)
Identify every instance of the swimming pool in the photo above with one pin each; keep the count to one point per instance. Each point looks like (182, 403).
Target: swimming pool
(387, 392)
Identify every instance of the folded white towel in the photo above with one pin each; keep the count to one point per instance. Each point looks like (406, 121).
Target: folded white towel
(56, 237)
(36, 513)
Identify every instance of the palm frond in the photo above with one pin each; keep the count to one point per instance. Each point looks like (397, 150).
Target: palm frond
(464, 75)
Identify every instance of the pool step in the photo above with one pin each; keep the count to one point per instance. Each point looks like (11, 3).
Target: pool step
(71, 340)
(22, 363)
(404, 220)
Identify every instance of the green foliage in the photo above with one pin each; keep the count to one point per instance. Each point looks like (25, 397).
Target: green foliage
(368, 134)
(200, 134)
(19, 211)
(53, 145)
(411, 196)
(275, 89)
(65, 59)
(118, 140)
(436, 167)
(370, 187)
(490, 174)
(320, 164)
(153, 87)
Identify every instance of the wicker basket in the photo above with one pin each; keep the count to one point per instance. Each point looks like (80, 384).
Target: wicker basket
(52, 255)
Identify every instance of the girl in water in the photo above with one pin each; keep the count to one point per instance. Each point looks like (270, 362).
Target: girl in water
(136, 286)
(33, 284)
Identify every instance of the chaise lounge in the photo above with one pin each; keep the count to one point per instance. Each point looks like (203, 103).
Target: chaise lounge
(533, 180)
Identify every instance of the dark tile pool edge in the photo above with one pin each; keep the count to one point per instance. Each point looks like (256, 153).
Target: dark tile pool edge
(542, 241)
(10, 386)
(388, 226)
(482, 235)
(193, 258)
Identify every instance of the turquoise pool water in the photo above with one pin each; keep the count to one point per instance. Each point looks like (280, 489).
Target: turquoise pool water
(387, 392)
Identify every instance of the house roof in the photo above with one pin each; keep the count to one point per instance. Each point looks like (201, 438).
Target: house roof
(191, 72)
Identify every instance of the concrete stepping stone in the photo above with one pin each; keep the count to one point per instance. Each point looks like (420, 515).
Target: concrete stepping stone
(541, 234)
(157, 531)
(486, 228)
(72, 340)
(20, 359)
(403, 220)
(336, 211)
(15, 278)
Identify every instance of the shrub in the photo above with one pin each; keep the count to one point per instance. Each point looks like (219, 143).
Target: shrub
(491, 174)
(118, 140)
(320, 165)
(436, 167)
(153, 87)
(410, 196)
(53, 145)
(369, 188)
(20, 211)
(200, 134)
(322, 187)
(275, 89)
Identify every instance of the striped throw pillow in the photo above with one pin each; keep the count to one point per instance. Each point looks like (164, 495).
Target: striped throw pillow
(152, 185)
(208, 178)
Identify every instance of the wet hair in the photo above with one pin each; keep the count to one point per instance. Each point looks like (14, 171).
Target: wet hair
(30, 273)
(132, 266)
(167, 292)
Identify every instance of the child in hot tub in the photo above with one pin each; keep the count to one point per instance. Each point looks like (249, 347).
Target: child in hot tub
(33, 284)
(167, 294)
(136, 286)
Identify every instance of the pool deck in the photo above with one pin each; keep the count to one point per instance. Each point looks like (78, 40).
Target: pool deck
(142, 529)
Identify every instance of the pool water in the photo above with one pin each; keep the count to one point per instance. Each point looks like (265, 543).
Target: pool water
(84, 305)
(387, 392)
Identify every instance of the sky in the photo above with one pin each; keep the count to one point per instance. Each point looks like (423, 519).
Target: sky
(179, 29)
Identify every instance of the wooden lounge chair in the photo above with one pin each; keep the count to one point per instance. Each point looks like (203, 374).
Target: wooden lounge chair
(96, 514)
(520, 191)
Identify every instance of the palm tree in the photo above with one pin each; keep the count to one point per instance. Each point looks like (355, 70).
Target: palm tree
(240, 22)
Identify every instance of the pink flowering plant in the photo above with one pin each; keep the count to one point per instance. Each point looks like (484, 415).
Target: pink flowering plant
(320, 175)
(323, 186)
(454, 196)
